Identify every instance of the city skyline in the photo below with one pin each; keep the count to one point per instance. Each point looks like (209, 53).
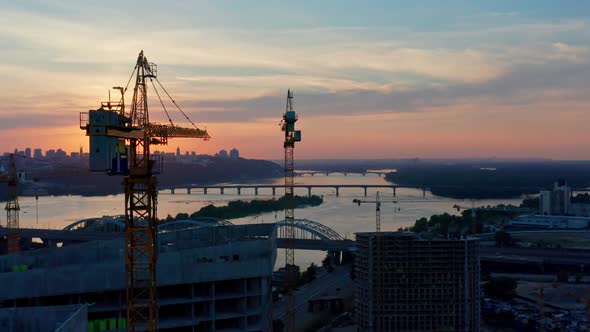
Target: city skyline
(370, 80)
(37, 152)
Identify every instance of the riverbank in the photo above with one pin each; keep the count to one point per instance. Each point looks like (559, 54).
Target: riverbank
(491, 179)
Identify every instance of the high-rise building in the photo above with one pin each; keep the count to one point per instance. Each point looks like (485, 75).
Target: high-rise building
(222, 154)
(38, 154)
(28, 152)
(50, 154)
(234, 153)
(61, 154)
(427, 284)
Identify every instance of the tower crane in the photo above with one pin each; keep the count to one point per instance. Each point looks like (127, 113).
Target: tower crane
(291, 136)
(12, 207)
(376, 324)
(120, 142)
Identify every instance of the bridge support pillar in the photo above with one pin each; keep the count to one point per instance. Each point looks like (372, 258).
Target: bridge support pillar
(172, 191)
(337, 191)
(365, 191)
(205, 191)
(256, 191)
(394, 191)
(274, 191)
(221, 189)
(308, 191)
(424, 192)
(239, 190)
(334, 257)
(188, 190)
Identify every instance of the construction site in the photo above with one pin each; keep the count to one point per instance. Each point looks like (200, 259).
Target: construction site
(407, 283)
(192, 279)
(137, 272)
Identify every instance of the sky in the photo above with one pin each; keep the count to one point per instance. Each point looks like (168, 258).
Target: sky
(371, 79)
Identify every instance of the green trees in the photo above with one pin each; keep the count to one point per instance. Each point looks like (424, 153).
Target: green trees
(239, 209)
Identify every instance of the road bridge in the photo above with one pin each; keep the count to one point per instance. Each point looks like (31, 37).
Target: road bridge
(238, 188)
(345, 173)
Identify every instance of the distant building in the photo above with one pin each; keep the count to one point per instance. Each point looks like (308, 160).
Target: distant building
(178, 151)
(549, 222)
(28, 153)
(222, 154)
(193, 154)
(234, 153)
(60, 154)
(556, 201)
(50, 154)
(38, 154)
(427, 284)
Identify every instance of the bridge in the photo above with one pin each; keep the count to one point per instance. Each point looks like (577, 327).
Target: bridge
(238, 188)
(345, 173)
(311, 235)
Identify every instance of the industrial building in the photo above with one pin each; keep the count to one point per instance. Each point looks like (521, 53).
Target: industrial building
(208, 278)
(549, 222)
(556, 201)
(427, 284)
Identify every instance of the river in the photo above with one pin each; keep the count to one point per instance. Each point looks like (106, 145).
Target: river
(338, 213)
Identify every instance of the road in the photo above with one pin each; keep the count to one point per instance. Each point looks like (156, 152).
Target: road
(339, 278)
(538, 255)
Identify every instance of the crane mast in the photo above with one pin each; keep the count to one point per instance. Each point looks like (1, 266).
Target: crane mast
(141, 214)
(291, 136)
(12, 207)
(120, 145)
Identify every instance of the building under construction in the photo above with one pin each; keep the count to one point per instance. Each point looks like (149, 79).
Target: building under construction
(427, 284)
(209, 279)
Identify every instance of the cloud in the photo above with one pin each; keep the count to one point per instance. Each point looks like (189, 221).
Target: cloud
(564, 80)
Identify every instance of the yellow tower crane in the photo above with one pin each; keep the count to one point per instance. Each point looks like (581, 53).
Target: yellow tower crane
(12, 207)
(291, 136)
(120, 142)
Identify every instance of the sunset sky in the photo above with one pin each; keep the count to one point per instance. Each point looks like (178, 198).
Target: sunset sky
(371, 79)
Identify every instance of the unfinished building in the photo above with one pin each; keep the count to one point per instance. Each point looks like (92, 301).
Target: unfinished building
(426, 285)
(209, 278)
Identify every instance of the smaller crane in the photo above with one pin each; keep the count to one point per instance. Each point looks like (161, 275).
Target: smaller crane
(12, 207)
